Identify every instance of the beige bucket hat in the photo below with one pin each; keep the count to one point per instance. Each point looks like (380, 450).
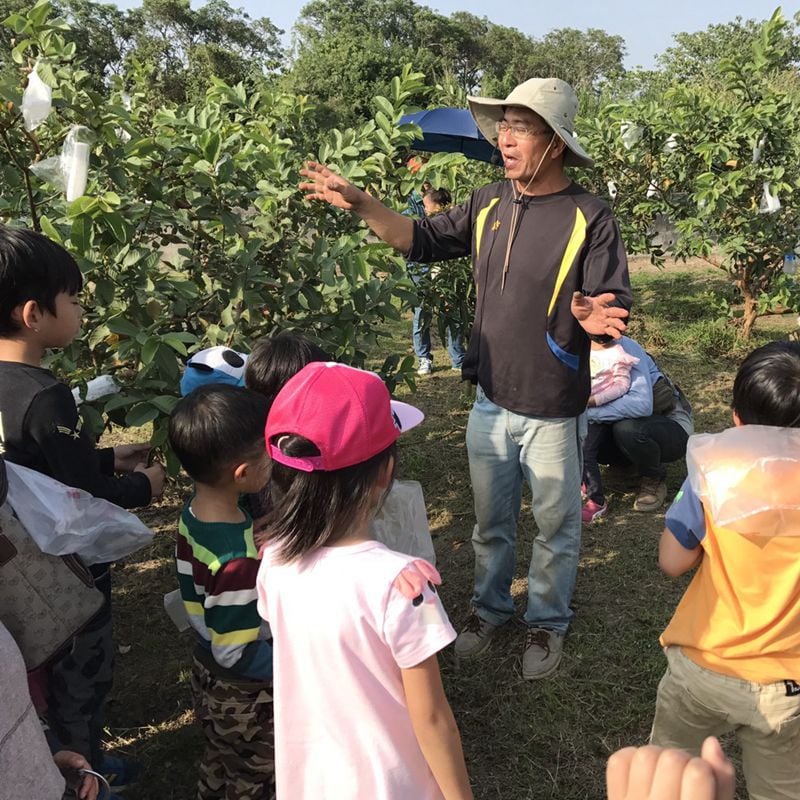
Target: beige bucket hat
(552, 99)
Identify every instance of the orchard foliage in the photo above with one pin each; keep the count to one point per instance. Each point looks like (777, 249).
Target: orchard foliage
(701, 156)
(192, 231)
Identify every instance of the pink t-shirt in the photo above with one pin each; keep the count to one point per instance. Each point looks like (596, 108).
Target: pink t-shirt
(342, 632)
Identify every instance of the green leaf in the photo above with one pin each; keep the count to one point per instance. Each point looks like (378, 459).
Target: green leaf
(81, 234)
(149, 350)
(165, 403)
(116, 224)
(49, 230)
(122, 327)
(175, 343)
(385, 106)
(141, 414)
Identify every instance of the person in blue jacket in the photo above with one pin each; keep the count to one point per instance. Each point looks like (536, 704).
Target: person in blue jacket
(648, 427)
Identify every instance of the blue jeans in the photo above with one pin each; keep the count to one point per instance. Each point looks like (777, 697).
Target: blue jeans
(421, 333)
(504, 448)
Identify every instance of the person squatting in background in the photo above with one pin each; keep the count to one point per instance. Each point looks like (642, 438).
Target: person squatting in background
(646, 427)
(610, 368)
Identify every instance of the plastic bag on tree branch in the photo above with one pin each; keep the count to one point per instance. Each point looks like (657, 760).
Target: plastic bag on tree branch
(769, 202)
(37, 100)
(68, 171)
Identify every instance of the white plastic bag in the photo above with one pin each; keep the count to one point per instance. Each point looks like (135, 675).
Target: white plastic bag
(769, 202)
(612, 189)
(64, 520)
(631, 134)
(176, 610)
(402, 523)
(749, 478)
(37, 100)
(101, 386)
(68, 172)
(758, 150)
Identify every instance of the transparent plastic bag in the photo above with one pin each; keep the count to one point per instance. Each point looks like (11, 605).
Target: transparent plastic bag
(402, 522)
(101, 386)
(758, 150)
(769, 202)
(749, 478)
(68, 171)
(631, 134)
(176, 610)
(64, 520)
(37, 100)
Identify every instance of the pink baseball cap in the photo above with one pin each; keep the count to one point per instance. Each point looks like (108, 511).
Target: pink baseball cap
(346, 412)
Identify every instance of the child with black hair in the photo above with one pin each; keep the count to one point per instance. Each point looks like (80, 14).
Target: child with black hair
(217, 433)
(360, 709)
(275, 359)
(40, 428)
(733, 644)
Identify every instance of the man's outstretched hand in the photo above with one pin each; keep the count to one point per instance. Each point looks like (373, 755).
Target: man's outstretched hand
(323, 184)
(597, 316)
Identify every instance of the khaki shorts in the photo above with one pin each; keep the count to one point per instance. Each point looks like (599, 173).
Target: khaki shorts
(694, 702)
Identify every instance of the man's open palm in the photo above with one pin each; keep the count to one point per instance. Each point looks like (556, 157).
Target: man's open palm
(323, 184)
(597, 316)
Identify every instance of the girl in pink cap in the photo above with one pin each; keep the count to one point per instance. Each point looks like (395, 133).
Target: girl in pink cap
(359, 706)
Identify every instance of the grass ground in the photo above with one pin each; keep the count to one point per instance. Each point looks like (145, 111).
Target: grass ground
(523, 741)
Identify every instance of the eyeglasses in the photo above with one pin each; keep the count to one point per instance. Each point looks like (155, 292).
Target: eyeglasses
(518, 131)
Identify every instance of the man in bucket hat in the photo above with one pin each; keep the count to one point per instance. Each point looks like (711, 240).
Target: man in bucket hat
(550, 270)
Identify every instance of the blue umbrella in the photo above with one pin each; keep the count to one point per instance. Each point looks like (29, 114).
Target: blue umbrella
(452, 130)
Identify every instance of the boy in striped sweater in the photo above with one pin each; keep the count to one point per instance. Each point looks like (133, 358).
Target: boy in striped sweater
(217, 432)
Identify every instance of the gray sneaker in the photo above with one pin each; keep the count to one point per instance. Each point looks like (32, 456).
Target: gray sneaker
(475, 636)
(542, 653)
(652, 494)
(425, 366)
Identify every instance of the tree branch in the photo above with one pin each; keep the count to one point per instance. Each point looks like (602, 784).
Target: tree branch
(26, 176)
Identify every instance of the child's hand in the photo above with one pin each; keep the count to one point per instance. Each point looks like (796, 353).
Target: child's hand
(128, 456)
(647, 773)
(155, 474)
(68, 764)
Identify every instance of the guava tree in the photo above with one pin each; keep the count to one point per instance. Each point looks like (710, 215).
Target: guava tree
(191, 231)
(712, 156)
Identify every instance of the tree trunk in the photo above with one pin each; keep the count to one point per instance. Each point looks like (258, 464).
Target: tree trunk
(749, 312)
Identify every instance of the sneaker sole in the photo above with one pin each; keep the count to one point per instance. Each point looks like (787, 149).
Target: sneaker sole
(537, 675)
(648, 507)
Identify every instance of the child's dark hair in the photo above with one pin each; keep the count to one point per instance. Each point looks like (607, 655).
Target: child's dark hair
(312, 509)
(275, 359)
(32, 267)
(439, 196)
(766, 390)
(215, 427)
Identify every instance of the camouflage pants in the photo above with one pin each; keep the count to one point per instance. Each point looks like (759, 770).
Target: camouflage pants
(239, 759)
(80, 681)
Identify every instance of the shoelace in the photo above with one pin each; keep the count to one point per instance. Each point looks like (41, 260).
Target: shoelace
(473, 623)
(539, 638)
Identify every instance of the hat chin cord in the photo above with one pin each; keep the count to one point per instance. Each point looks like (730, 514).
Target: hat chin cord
(516, 205)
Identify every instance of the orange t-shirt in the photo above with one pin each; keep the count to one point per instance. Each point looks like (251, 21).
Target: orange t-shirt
(740, 615)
